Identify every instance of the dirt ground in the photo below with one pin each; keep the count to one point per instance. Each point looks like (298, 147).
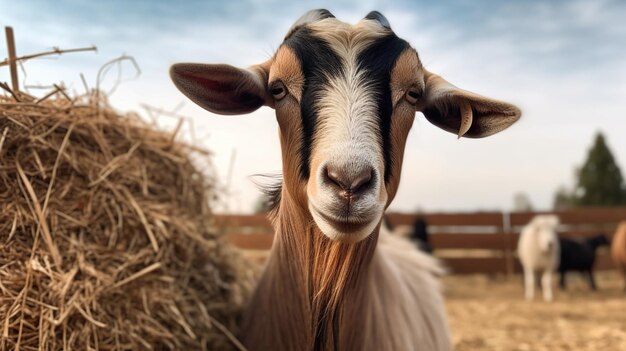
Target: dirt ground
(491, 314)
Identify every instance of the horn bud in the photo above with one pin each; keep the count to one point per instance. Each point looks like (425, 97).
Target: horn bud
(309, 17)
(378, 17)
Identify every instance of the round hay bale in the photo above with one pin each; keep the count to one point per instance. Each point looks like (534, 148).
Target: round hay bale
(106, 235)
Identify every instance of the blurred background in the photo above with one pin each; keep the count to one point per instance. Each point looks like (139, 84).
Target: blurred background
(562, 62)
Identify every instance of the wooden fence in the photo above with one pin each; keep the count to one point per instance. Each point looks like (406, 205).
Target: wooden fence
(483, 242)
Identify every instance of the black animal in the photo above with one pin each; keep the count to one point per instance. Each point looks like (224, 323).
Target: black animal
(420, 236)
(579, 254)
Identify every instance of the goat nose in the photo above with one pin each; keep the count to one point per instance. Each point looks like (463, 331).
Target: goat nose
(349, 183)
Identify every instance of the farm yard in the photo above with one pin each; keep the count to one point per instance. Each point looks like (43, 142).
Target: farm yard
(488, 313)
(484, 292)
(491, 315)
(127, 230)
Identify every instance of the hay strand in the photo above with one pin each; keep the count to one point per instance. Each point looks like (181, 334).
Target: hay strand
(41, 218)
(6, 88)
(54, 51)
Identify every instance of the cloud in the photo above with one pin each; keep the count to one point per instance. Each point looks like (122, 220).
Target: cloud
(561, 61)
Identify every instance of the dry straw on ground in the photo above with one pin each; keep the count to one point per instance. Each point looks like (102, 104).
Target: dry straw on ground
(491, 315)
(106, 240)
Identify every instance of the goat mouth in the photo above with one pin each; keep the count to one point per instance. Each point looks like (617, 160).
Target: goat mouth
(346, 223)
(347, 230)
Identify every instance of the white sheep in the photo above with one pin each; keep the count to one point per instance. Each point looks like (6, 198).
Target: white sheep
(538, 250)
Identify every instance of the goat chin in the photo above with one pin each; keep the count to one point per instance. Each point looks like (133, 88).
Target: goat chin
(345, 233)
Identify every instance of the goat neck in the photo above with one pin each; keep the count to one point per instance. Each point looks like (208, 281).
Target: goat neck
(315, 285)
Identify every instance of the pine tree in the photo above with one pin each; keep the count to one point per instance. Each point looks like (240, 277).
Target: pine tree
(600, 182)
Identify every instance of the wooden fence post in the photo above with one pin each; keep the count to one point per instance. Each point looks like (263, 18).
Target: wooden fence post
(508, 243)
(15, 85)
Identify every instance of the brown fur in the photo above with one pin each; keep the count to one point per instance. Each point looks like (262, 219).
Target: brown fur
(319, 294)
(406, 72)
(618, 249)
(311, 284)
(286, 67)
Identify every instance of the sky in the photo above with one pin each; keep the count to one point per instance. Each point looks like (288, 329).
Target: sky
(562, 62)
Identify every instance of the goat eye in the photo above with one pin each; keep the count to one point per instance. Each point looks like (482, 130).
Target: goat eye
(412, 95)
(278, 90)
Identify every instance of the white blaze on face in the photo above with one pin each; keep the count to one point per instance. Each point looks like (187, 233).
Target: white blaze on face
(348, 136)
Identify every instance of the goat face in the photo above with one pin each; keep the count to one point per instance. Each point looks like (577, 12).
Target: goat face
(545, 227)
(345, 99)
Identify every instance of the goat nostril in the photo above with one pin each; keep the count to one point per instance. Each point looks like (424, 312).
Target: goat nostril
(349, 184)
(362, 181)
(335, 178)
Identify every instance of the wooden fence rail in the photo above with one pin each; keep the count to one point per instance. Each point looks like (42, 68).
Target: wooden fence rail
(483, 242)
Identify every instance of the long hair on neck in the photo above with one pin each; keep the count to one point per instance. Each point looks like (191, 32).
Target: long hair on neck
(319, 282)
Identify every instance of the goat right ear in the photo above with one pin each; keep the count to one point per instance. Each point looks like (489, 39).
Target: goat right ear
(223, 89)
(462, 112)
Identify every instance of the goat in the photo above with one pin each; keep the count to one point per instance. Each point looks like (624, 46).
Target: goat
(579, 254)
(538, 251)
(345, 98)
(618, 249)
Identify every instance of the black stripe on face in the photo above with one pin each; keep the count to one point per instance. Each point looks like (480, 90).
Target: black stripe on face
(378, 60)
(318, 63)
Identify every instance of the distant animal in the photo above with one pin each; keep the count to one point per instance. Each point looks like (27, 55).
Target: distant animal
(345, 98)
(419, 235)
(579, 254)
(538, 251)
(618, 250)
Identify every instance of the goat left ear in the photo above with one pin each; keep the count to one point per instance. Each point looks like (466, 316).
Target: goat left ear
(462, 112)
(223, 89)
